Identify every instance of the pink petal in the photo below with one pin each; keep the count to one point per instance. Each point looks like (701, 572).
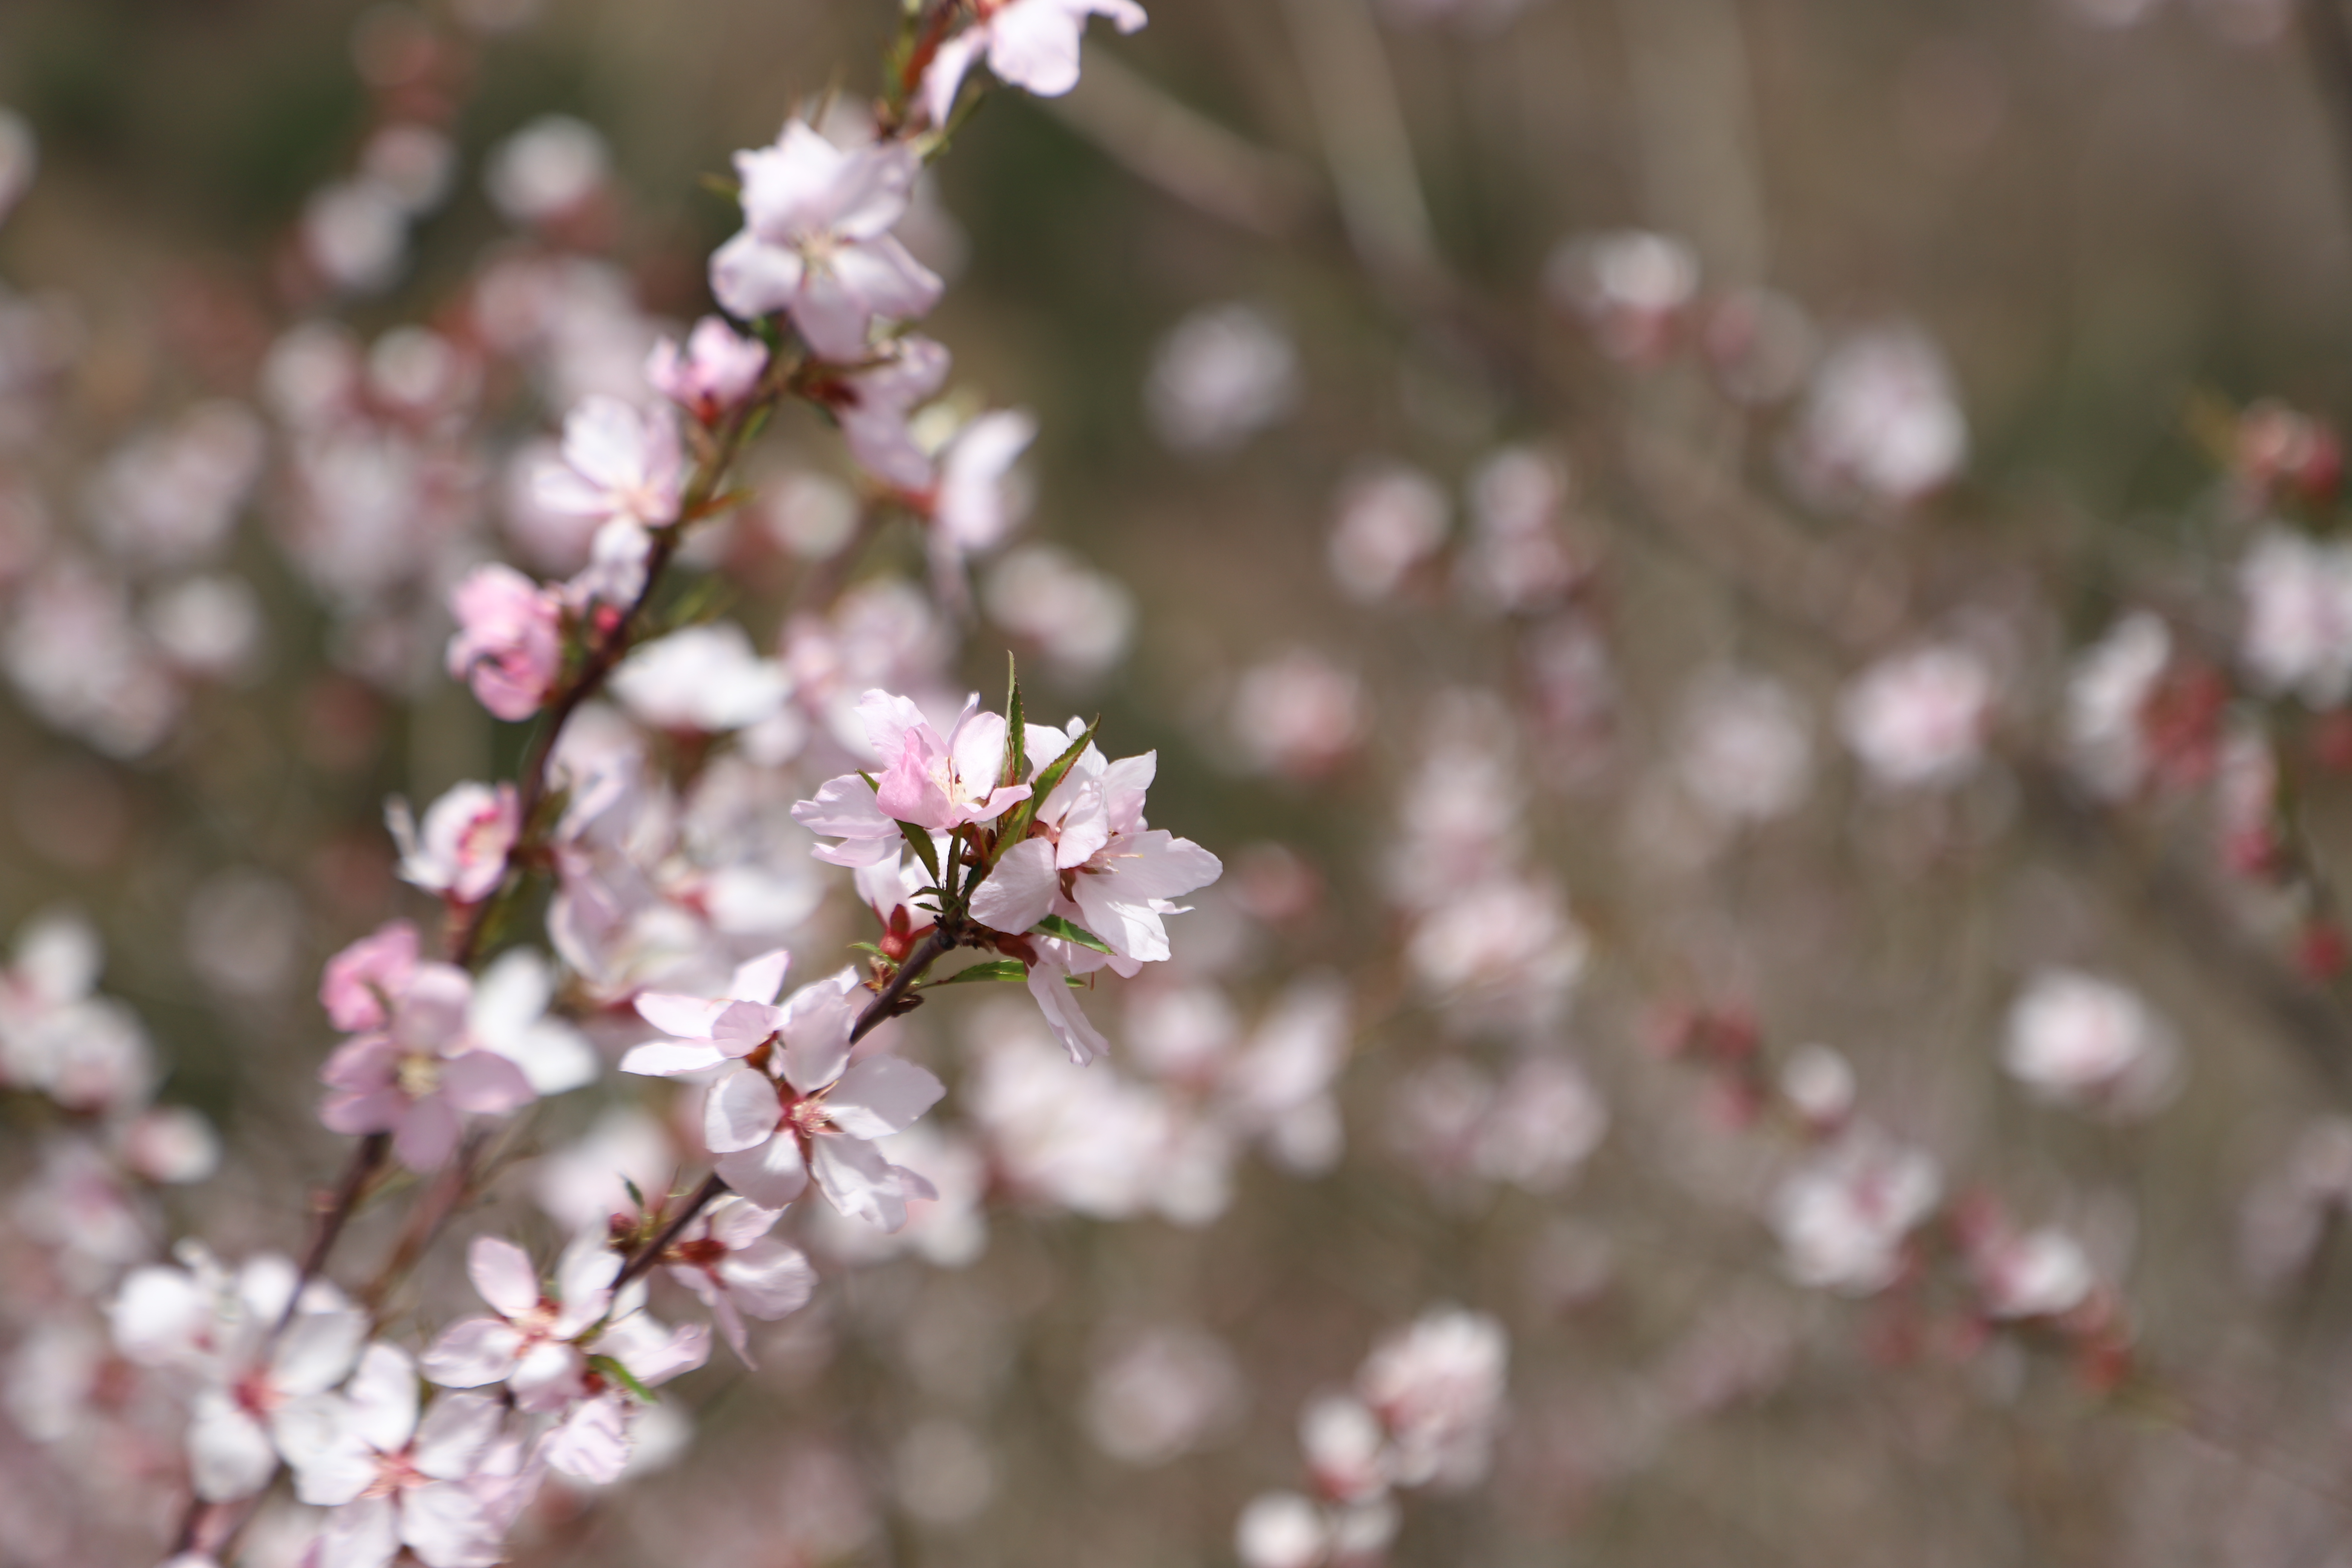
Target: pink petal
(688, 1017)
(667, 1059)
(859, 1182)
(770, 1174)
(485, 1083)
(427, 1135)
(882, 1095)
(1020, 891)
(503, 1272)
(760, 979)
(739, 1112)
(472, 1354)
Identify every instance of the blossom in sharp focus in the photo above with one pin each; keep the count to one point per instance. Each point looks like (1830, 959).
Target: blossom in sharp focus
(1095, 861)
(1918, 719)
(2077, 1040)
(419, 1072)
(532, 1342)
(1031, 44)
(816, 241)
(622, 465)
(460, 849)
(929, 780)
(713, 374)
(788, 1101)
(395, 1480)
(728, 1258)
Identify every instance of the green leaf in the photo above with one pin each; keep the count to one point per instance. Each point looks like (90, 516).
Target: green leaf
(996, 969)
(613, 1369)
(1016, 756)
(1054, 925)
(635, 1196)
(1017, 821)
(921, 843)
(868, 947)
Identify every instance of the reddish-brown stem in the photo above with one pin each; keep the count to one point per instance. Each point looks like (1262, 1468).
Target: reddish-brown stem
(367, 1160)
(928, 951)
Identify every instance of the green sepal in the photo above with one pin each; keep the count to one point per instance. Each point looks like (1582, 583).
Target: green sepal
(996, 969)
(1018, 820)
(1016, 756)
(611, 1368)
(1054, 925)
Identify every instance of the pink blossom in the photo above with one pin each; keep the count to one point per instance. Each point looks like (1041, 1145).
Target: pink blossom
(2076, 1039)
(393, 1480)
(1842, 1218)
(769, 1136)
(816, 241)
(712, 374)
(593, 1442)
(419, 1072)
(1096, 862)
(929, 782)
(362, 981)
(1438, 1388)
(1031, 44)
(533, 1343)
(1918, 720)
(728, 1258)
(509, 640)
(462, 851)
(873, 405)
(976, 504)
(621, 464)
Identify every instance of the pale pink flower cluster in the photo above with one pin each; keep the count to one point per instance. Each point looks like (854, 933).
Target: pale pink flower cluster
(413, 1067)
(1844, 1218)
(1920, 720)
(2087, 1043)
(2107, 694)
(2297, 637)
(1882, 425)
(1533, 1127)
(1425, 1412)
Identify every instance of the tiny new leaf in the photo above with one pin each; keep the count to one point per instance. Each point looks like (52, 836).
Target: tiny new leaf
(1054, 925)
(1016, 757)
(996, 969)
(611, 1367)
(1017, 821)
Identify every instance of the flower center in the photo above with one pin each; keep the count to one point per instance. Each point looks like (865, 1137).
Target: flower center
(419, 1073)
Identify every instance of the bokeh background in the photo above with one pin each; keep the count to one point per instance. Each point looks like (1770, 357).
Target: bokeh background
(2116, 221)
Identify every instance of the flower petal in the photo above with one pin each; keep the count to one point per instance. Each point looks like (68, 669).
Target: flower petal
(741, 1112)
(882, 1095)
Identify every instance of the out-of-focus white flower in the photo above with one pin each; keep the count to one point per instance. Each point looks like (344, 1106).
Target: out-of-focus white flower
(171, 1145)
(1221, 376)
(701, 679)
(1297, 714)
(816, 241)
(587, 1183)
(979, 500)
(509, 1014)
(2077, 1040)
(2043, 1273)
(74, 654)
(1842, 1217)
(1437, 1386)
(416, 163)
(1631, 288)
(1163, 1393)
(1031, 44)
(2107, 693)
(1882, 425)
(208, 625)
(355, 233)
(811, 515)
(1743, 750)
(1389, 520)
(2298, 628)
(1080, 619)
(1918, 719)
(551, 167)
(1819, 1084)
(1281, 1530)
(1515, 560)
(171, 498)
(461, 850)
(620, 465)
(1546, 1122)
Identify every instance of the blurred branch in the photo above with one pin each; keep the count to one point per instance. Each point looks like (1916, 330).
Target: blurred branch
(1190, 156)
(2330, 38)
(1365, 139)
(1687, 62)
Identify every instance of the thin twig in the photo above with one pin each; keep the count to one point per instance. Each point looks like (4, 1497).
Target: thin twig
(2330, 38)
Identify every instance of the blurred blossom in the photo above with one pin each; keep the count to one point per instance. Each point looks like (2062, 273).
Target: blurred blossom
(461, 849)
(1629, 287)
(1299, 714)
(2107, 694)
(39, 338)
(2298, 607)
(1546, 1122)
(208, 625)
(312, 376)
(548, 169)
(1920, 719)
(244, 932)
(702, 679)
(2089, 1044)
(1281, 1530)
(1760, 344)
(1438, 1388)
(2288, 1211)
(356, 233)
(2041, 1273)
(1881, 426)
(417, 371)
(712, 374)
(944, 1473)
(19, 158)
(172, 1145)
(1819, 1084)
(417, 163)
(1030, 43)
(1079, 618)
(1843, 1219)
(1514, 558)
(1744, 751)
(585, 1183)
(1219, 377)
(810, 515)
(77, 661)
(171, 499)
(1161, 1394)
(1389, 520)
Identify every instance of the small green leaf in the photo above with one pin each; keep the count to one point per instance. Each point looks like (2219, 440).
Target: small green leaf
(996, 969)
(731, 189)
(921, 843)
(1016, 757)
(611, 1368)
(1017, 820)
(1054, 925)
(635, 1196)
(868, 947)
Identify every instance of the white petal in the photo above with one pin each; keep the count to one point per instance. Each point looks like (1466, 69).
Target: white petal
(473, 1353)
(882, 1095)
(453, 1433)
(688, 1017)
(381, 1403)
(741, 1112)
(1020, 891)
(503, 1272)
(770, 1175)
(668, 1058)
(860, 1181)
(229, 1454)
